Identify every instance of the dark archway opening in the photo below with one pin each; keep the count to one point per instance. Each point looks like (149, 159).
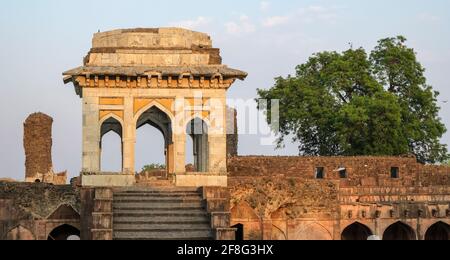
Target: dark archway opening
(153, 152)
(239, 232)
(356, 231)
(399, 231)
(64, 232)
(438, 231)
(111, 146)
(197, 129)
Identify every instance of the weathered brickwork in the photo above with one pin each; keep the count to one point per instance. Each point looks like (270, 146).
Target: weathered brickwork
(37, 141)
(281, 198)
(32, 211)
(133, 74)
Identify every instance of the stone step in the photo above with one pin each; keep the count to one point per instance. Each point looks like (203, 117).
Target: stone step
(158, 205)
(160, 219)
(160, 190)
(161, 226)
(159, 213)
(156, 195)
(163, 208)
(155, 184)
(164, 235)
(158, 200)
(138, 221)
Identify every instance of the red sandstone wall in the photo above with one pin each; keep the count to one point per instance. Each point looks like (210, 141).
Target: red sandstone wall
(361, 171)
(278, 198)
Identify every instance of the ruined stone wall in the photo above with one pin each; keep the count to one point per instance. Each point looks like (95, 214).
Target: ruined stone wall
(361, 171)
(37, 142)
(267, 205)
(36, 209)
(434, 175)
(280, 198)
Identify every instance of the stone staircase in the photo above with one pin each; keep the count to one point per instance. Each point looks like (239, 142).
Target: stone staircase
(161, 214)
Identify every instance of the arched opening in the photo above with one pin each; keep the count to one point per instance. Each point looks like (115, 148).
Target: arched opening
(154, 143)
(239, 232)
(111, 146)
(356, 231)
(438, 231)
(19, 233)
(399, 231)
(197, 130)
(189, 155)
(37, 181)
(64, 232)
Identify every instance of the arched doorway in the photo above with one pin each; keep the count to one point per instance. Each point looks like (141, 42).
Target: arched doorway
(197, 129)
(239, 232)
(157, 153)
(438, 231)
(399, 231)
(111, 146)
(64, 232)
(356, 231)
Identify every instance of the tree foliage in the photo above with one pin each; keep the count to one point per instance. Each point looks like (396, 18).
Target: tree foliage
(153, 167)
(352, 103)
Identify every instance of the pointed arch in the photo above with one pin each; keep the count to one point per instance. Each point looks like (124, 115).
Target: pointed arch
(111, 115)
(438, 231)
(278, 233)
(63, 232)
(154, 103)
(200, 116)
(356, 231)
(313, 231)
(64, 211)
(157, 116)
(111, 123)
(399, 231)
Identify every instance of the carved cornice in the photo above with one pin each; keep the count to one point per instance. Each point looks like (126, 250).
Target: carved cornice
(153, 80)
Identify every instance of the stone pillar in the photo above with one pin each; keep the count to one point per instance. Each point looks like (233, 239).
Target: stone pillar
(129, 137)
(420, 233)
(37, 141)
(232, 132)
(179, 136)
(102, 215)
(217, 136)
(170, 161)
(217, 153)
(179, 147)
(91, 134)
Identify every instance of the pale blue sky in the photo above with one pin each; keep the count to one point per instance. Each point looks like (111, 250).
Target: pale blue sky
(41, 39)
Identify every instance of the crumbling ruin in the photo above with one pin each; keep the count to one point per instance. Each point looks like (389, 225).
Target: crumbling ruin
(261, 197)
(37, 141)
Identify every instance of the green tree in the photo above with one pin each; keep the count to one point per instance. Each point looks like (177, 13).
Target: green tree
(152, 167)
(352, 103)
